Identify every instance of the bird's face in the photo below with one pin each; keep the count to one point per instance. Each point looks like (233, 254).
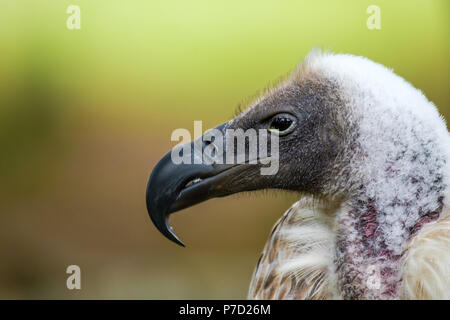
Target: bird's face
(303, 135)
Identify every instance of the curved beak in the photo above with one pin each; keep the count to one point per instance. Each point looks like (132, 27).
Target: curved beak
(173, 187)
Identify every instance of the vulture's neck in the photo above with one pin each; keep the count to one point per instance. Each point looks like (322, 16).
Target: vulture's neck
(398, 185)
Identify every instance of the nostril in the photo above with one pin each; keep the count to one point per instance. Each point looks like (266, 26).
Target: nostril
(212, 150)
(206, 143)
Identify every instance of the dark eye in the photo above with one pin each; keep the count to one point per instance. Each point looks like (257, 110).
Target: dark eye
(282, 124)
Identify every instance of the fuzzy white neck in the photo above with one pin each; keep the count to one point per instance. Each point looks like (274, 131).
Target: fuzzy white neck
(396, 181)
(399, 176)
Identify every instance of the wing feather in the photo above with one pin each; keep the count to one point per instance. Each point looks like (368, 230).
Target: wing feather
(293, 266)
(426, 263)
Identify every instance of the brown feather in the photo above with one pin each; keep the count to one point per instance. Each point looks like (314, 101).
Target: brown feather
(271, 280)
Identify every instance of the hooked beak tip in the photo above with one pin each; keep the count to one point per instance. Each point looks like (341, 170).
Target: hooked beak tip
(170, 234)
(158, 204)
(164, 227)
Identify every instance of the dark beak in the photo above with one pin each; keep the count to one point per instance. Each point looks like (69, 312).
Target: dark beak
(173, 187)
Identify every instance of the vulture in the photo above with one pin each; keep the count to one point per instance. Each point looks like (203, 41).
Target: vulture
(369, 157)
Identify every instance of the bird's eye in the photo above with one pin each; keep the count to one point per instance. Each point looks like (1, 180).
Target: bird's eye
(282, 124)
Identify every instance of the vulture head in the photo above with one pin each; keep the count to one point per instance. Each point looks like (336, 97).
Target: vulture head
(369, 149)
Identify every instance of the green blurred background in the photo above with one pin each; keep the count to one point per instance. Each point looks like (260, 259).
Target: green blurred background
(86, 114)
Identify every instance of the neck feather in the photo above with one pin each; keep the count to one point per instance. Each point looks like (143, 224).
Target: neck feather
(398, 185)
